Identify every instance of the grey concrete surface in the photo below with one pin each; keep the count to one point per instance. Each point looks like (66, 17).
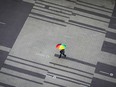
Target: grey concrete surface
(81, 25)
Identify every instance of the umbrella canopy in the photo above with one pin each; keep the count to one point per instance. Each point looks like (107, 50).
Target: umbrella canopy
(61, 46)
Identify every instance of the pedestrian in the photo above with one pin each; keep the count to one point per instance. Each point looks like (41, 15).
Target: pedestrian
(61, 47)
(62, 52)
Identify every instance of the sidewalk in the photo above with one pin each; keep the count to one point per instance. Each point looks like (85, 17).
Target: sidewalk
(31, 59)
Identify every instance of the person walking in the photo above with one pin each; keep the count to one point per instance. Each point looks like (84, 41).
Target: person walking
(62, 52)
(61, 47)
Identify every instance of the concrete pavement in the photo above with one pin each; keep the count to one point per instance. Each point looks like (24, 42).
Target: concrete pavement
(82, 26)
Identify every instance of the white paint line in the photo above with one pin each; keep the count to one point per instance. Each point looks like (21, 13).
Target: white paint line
(111, 30)
(53, 76)
(103, 77)
(42, 55)
(2, 22)
(110, 40)
(29, 1)
(104, 72)
(3, 48)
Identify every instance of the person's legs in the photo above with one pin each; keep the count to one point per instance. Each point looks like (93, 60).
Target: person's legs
(62, 52)
(64, 55)
(60, 55)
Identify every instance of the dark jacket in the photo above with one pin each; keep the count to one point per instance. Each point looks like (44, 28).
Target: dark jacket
(62, 51)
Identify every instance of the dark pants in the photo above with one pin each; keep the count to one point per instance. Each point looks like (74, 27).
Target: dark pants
(62, 52)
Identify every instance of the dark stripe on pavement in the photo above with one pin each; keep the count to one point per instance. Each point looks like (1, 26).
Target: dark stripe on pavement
(84, 27)
(90, 7)
(29, 61)
(105, 69)
(69, 77)
(3, 56)
(98, 19)
(50, 12)
(54, 68)
(54, 84)
(95, 5)
(14, 14)
(27, 64)
(44, 16)
(55, 4)
(71, 81)
(24, 71)
(47, 21)
(102, 83)
(71, 68)
(109, 47)
(71, 72)
(111, 35)
(87, 25)
(91, 12)
(112, 23)
(76, 60)
(5, 85)
(21, 78)
(56, 8)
